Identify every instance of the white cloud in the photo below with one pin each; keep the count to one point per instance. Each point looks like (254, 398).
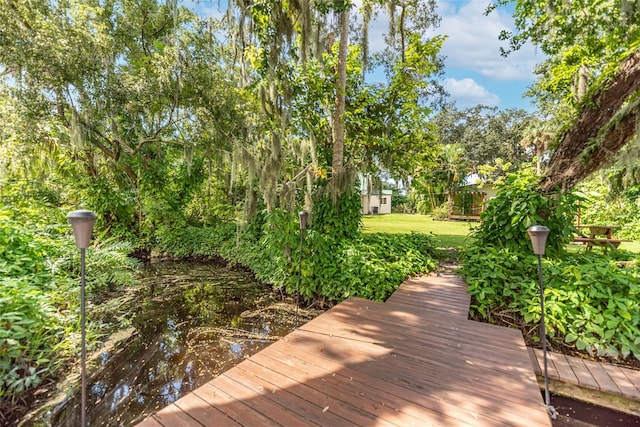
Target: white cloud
(468, 93)
(473, 43)
(207, 8)
(472, 40)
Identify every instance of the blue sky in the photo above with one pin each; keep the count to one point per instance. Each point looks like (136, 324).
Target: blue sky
(475, 72)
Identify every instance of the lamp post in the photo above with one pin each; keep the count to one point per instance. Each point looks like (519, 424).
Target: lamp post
(538, 235)
(303, 216)
(82, 223)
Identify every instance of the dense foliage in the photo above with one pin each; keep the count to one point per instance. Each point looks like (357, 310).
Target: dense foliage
(584, 41)
(192, 135)
(591, 299)
(337, 261)
(605, 204)
(39, 304)
(518, 206)
(482, 143)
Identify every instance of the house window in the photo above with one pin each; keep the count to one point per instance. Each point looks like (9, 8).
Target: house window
(384, 200)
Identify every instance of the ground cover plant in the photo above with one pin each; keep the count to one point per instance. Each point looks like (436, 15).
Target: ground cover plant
(591, 298)
(39, 302)
(338, 261)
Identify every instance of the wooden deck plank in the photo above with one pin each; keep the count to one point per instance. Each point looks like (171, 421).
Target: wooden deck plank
(270, 411)
(448, 335)
(284, 407)
(173, 416)
(447, 294)
(226, 403)
(383, 393)
(414, 360)
(565, 373)
(333, 379)
(354, 317)
(322, 399)
(203, 413)
(634, 378)
(443, 356)
(443, 370)
(585, 379)
(534, 361)
(617, 375)
(447, 370)
(150, 422)
(605, 383)
(345, 401)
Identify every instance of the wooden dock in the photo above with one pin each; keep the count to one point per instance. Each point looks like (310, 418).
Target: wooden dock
(414, 360)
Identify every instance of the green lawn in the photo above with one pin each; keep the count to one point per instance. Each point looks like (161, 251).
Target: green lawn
(447, 234)
(633, 246)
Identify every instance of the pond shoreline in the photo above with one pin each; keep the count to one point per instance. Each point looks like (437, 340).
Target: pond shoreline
(210, 298)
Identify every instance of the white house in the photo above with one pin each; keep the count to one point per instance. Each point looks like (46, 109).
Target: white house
(375, 202)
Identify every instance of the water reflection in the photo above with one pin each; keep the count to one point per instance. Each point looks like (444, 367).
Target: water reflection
(190, 328)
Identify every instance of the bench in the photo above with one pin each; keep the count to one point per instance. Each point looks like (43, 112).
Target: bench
(602, 242)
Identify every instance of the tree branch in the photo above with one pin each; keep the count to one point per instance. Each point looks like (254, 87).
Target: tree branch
(607, 122)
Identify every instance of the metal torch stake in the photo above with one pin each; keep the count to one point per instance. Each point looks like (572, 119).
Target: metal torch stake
(83, 376)
(543, 332)
(299, 276)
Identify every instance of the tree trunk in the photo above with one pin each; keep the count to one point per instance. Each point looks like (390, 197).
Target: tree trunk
(609, 119)
(337, 165)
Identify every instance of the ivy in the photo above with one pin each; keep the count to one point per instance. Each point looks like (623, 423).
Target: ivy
(518, 206)
(591, 302)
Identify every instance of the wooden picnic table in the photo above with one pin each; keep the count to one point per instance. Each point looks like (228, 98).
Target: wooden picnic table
(599, 235)
(599, 230)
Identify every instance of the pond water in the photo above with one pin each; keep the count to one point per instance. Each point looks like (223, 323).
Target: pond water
(193, 321)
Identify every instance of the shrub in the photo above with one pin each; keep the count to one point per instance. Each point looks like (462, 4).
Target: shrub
(519, 205)
(39, 305)
(591, 303)
(369, 265)
(30, 331)
(441, 213)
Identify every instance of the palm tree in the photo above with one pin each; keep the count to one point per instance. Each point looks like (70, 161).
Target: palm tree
(538, 137)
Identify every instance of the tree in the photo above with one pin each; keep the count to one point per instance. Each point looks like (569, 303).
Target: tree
(338, 128)
(538, 137)
(123, 91)
(606, 123)
(314, 99)
(591, 75)
(486, 134)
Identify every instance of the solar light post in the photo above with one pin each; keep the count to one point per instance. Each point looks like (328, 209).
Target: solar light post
(538, 235)
(82, 223)
(303, 216)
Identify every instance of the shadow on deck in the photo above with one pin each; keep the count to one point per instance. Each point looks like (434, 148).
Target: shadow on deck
(414, 360)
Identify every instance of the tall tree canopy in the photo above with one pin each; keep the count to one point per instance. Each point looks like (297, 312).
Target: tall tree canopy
(146, 104)
(590, 77)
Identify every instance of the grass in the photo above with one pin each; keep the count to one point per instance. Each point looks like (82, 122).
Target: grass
(447, 234)
(633, 246)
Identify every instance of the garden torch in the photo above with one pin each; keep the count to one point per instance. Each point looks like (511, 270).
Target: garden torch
(303, 215)
(82, 223)
(538, 235)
